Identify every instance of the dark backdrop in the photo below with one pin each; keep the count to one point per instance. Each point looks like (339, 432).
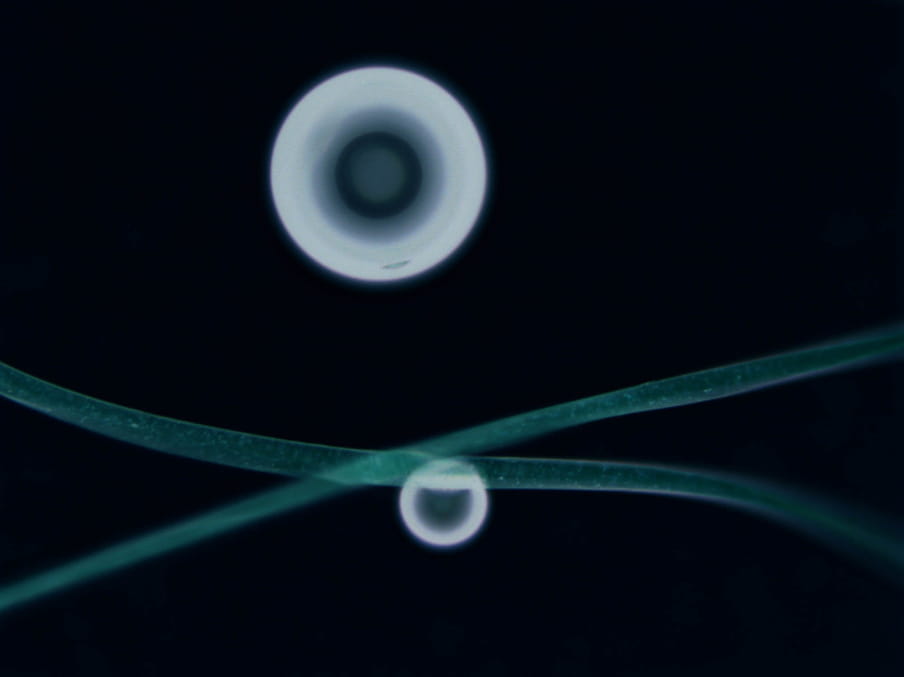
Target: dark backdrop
(675, 185)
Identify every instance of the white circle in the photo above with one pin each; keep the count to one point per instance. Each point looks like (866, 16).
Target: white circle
(443, 476)
(378, 99)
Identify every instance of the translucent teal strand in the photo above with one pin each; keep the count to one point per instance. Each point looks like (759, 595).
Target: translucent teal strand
(191, 440)
(877, 545)
(699, 386)
(300, 459)
(877, 542)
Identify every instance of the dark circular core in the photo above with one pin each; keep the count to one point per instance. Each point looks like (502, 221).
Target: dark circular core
(378, 175)
(443, 509)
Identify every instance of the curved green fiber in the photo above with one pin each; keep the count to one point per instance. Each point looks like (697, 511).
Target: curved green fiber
(162, 541)
(388, 468)
(879, 547)
(268, 454)
(699, 386)
(192, 440)
(878, 543)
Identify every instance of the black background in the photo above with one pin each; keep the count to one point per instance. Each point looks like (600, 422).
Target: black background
(675, 185)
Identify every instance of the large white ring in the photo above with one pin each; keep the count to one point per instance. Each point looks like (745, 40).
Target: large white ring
(376, 99)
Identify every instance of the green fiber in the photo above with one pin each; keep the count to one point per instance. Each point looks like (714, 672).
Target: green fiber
(300, 459)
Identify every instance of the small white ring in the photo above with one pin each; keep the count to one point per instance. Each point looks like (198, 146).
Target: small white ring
(439, 476)
(417, 110)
